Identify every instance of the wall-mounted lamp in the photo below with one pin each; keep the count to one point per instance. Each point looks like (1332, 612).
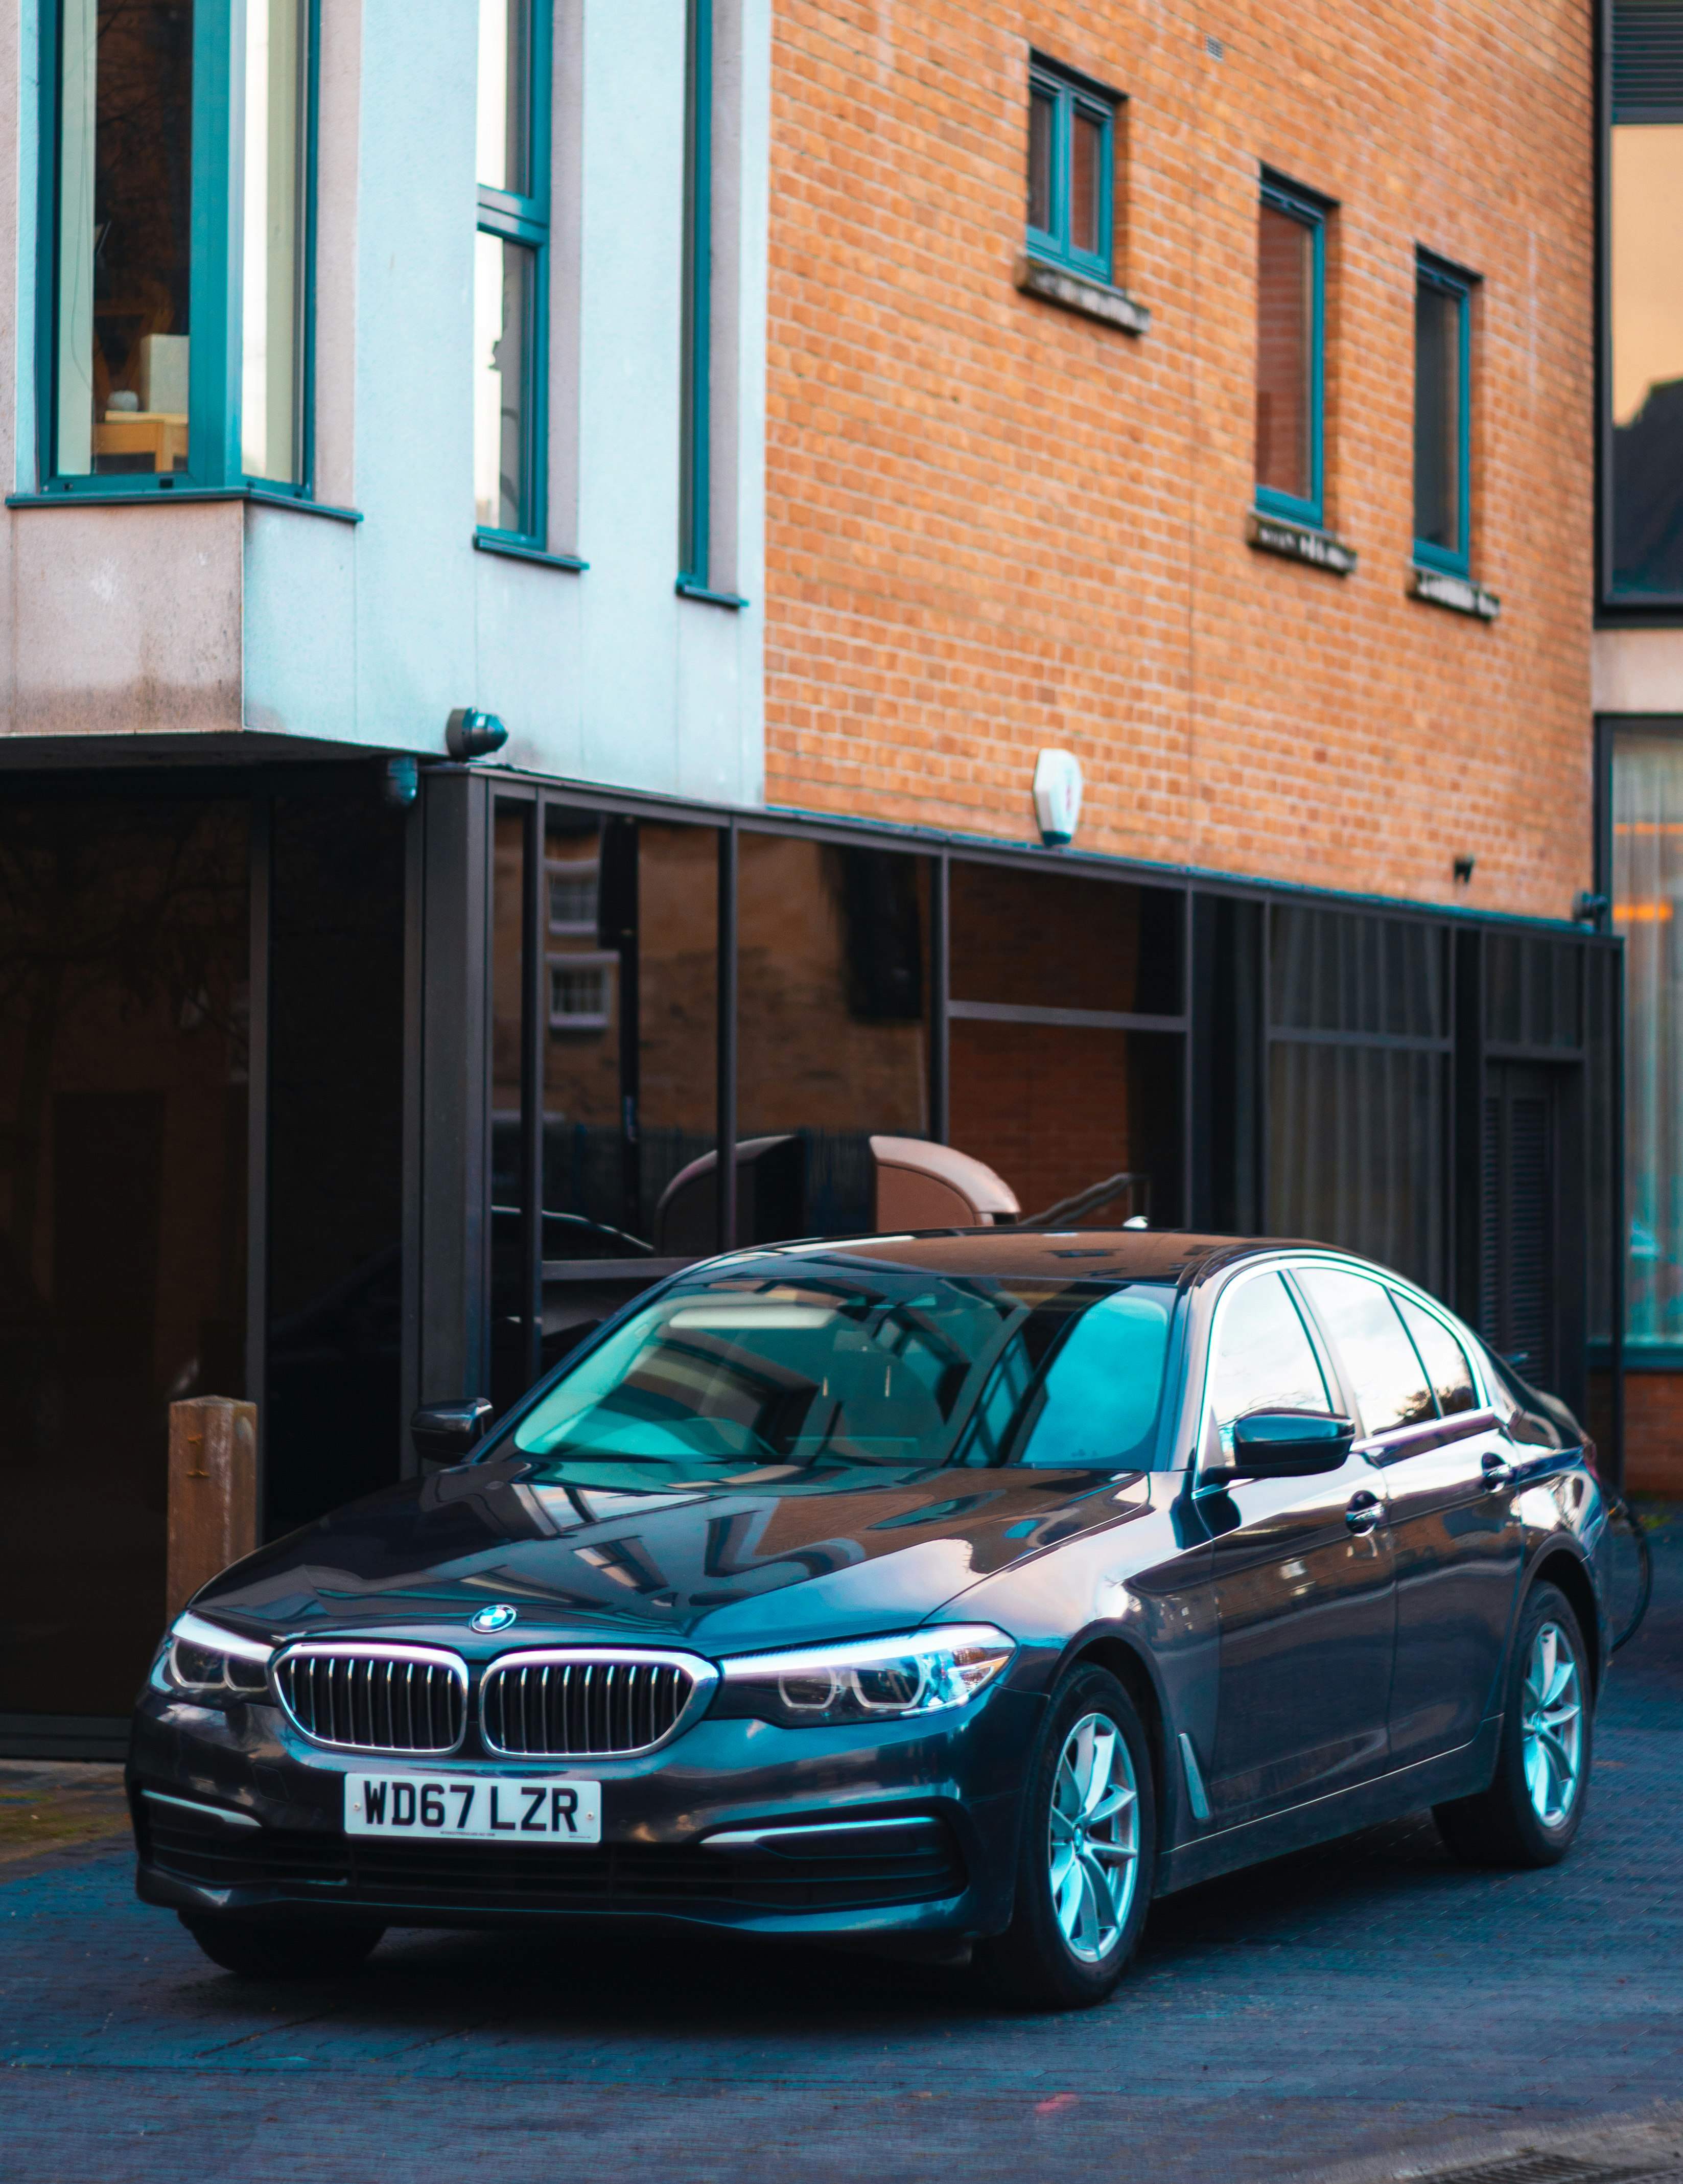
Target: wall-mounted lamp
(1464, 870)
(400, 783)
(1057, 797)
(470, 734)
(1591, 909)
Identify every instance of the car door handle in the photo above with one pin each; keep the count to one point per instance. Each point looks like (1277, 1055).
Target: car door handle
(1365, 1511)
(1497, 1471)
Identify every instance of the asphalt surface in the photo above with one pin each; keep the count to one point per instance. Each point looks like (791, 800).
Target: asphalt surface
(1371, 2010)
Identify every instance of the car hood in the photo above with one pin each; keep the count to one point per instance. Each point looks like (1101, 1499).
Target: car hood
(719, 1568)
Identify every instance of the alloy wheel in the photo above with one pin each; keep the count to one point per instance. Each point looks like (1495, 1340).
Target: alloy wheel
(1093, 1840)
(1552, 1717)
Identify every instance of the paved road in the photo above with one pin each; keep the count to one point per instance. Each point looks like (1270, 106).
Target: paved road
(1371, 2004)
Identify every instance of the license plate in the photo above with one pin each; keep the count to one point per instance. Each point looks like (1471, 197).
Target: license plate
(472, 1809)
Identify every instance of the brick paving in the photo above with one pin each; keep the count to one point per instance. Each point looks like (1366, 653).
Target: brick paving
(1370, 2010)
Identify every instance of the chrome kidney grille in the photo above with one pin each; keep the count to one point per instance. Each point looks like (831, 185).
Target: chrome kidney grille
(588, 1704)
(375, 1698)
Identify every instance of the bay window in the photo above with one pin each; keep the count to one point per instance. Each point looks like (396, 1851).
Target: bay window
(175, 351)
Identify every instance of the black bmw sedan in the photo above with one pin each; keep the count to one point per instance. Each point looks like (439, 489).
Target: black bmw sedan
(951, 1595)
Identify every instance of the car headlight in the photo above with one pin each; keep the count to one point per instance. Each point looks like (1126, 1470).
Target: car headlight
(866, 1679)
(213, 1665)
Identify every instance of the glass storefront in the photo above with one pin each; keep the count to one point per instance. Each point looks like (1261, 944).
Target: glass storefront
(1648, 893)
(124, 1063)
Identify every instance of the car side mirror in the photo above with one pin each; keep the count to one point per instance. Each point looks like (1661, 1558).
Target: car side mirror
(444, 1433)
(1285, 1445)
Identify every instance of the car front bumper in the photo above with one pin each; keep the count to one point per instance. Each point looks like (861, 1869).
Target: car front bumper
(238, 1815)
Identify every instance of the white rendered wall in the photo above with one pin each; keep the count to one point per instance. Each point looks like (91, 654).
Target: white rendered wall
(208, 616)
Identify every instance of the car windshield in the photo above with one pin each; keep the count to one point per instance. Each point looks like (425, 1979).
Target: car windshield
(787, 1373)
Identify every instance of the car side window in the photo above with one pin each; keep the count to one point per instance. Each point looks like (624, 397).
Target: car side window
(1442, 1356)
(1264, 1359)
(1361, 1321)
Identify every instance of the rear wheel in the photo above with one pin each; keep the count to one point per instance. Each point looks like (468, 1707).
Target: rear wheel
(1086, 1859)
(1530, 1812)
(260, 1950)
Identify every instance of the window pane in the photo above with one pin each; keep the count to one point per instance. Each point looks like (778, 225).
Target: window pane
(509, 1299)
(1053, 941)
(1285, 302)
(1444, 1358)
(1086, 185)
(630, 1074)
(1383, 1369)
(125, 192)
(1359, 1153)
(1042, 122)
(1264, 1360)
(275, 91)
(1437, 417)
(504, 50)
(833, 1038)
(1647, 888)
(503, 276)
(1647, 359)
(124, 1065)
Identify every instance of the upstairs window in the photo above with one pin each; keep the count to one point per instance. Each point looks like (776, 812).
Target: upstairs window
(1642, 472)
(1071, 128)
(510, 268)
(1290, 325)
(1443, 376)
(160, 370)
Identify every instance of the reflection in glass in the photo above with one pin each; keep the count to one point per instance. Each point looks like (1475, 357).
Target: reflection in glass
(124, 1064)
(276, 90)
(1086, 181)
(333, 1421)
(504, 56)
(832, 1042)
(1646, 299)
(1385, 1372)
(1042, 125)
(503, 279)
(1054, 941)
(1285, 294)
(1438, 425)
(124, 239)
(1647, 891)
(510, 1304)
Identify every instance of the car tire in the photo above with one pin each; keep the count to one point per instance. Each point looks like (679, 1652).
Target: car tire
(1089, 1812)
(260, 1950)
(1530, 1812)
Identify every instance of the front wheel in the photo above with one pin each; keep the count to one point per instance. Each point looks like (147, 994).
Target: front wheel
(258, 1950)
(1087, 1856)
(1530, 1812)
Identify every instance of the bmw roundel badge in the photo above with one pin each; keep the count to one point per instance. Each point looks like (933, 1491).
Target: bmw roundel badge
(494, 1619)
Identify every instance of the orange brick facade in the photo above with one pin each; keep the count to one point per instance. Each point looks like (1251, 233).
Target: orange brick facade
(996, 525)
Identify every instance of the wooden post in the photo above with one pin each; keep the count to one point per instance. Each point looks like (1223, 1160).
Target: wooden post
(213, 1492)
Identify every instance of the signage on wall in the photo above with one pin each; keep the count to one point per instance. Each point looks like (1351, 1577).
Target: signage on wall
(1057, 796)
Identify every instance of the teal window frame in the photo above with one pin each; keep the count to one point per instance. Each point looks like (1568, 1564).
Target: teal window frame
(1430, 272)
(1311, 212)
(525, 220)
(695, 417)
(1070, 95)
(214, 306)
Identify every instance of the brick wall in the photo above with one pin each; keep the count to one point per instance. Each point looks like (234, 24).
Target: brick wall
(995, 525)
(1654, 1434)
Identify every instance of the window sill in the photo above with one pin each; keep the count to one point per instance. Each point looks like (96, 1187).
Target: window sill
(1460, 594)
(686, 590)
(1076, 292)
(154, 496)
(1299, 542)
(487, 542)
